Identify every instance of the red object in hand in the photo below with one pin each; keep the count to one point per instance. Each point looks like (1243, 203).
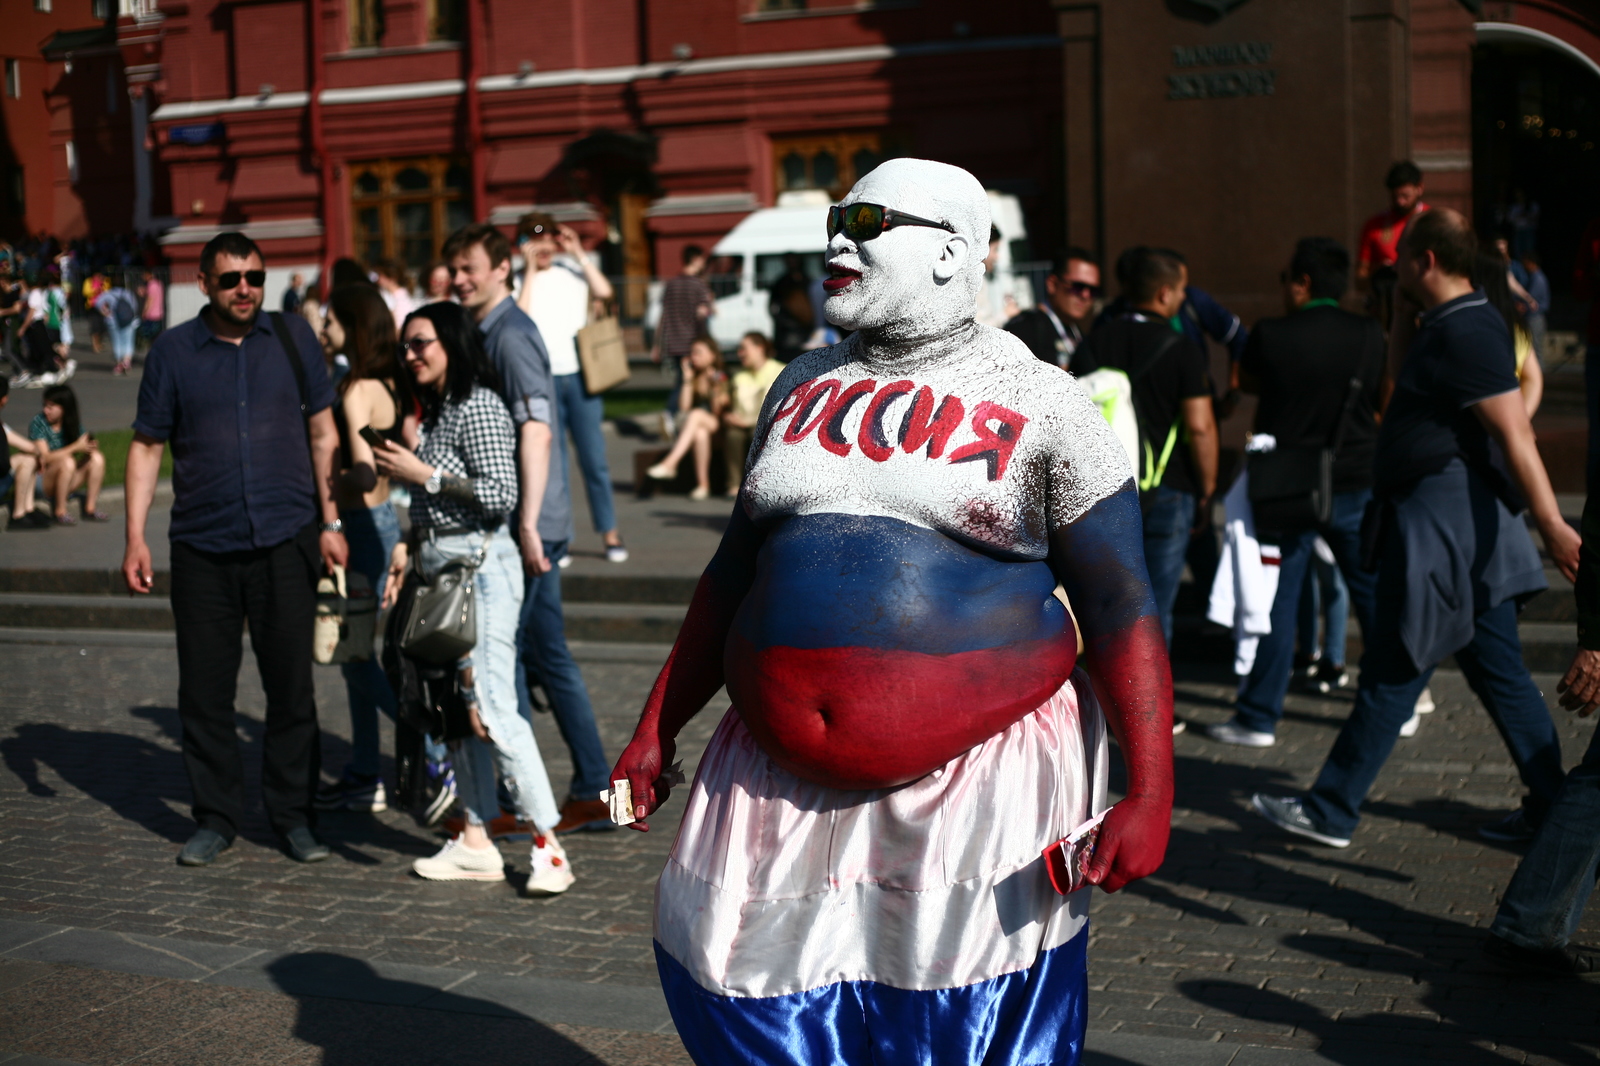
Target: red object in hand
(1067, 860)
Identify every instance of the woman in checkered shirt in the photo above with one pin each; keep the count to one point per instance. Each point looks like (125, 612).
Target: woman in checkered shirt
(465, 474)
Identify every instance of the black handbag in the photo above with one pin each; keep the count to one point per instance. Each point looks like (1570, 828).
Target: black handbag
(1291, 489)
(441, 623)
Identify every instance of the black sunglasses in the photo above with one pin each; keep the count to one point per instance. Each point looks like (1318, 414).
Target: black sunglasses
(1083, 289)
(416, 345)
(862, 222)
(230, 281)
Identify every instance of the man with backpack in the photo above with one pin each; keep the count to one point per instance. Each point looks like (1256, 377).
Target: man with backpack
(120, 308)
(1171, 400)
(245, 401)
(1318, 371)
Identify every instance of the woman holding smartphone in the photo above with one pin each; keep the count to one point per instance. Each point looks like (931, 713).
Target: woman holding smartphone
(374, 398)
(465, 474)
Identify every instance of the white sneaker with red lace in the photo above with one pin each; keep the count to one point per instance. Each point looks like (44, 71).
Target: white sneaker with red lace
(552, 873)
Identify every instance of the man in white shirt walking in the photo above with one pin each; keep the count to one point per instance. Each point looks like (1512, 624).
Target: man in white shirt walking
(560, 283)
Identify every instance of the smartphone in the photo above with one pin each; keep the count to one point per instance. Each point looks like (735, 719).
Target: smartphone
(1067, 860)
(373, 438)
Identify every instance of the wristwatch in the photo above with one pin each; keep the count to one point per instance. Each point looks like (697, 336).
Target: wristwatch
(432, 484)
(336, 526)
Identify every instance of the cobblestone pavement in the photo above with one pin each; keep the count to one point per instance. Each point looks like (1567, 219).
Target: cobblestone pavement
(1244, 936)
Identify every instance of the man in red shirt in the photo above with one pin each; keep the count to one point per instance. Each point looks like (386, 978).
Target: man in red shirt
(1380, 237)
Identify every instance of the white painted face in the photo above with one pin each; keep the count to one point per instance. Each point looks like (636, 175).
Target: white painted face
(911, 282)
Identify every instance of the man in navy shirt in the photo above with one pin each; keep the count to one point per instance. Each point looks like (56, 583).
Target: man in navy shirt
(1455, 461)
(253, 519)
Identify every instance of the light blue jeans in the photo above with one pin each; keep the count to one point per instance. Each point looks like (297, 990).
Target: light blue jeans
(122, 338)
(372, 534)
(493, 660)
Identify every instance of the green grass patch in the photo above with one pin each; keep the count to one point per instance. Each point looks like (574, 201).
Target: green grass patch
(632, 404)
(114, 443)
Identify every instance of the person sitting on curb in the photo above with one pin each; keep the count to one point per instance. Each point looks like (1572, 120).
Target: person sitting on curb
(24, 466)
(745, 397)
(70, 457)
(701, 402)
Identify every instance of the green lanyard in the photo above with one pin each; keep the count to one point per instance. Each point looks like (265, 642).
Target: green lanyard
(1321, 301)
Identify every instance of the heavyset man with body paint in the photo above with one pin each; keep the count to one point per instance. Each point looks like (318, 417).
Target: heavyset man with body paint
(859, 874)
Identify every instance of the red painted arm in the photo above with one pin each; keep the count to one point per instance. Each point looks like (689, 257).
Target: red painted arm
(693, 671)
(1099, 559)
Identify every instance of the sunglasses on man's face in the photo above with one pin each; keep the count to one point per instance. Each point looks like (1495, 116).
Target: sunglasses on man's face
(862, 222)
(230, 281)
(1083, 290)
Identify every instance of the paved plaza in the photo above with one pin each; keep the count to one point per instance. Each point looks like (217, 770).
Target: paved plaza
(1243, 943)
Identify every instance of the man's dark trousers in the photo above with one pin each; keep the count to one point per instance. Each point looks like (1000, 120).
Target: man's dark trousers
(1260, 703)
(213, 595)
(1387, 695)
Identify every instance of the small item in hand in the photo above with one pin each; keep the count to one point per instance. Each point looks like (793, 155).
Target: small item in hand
(1067, 860)
(620, 794)
(620, 797)
(373, 438)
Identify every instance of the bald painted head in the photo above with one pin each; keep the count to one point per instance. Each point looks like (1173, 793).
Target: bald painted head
(911, 282)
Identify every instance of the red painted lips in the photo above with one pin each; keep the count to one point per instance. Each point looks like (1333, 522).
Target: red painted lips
(839, 278)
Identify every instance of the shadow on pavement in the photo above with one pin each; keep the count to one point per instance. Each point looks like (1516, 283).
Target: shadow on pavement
(1461, 1002)
(130, 775)
(359, 1018)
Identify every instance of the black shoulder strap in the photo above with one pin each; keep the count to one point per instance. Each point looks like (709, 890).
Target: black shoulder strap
(1161, 349)
(289, 349)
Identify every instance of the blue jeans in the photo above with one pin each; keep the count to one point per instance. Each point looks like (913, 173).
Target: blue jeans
(493, 659)
(372, 534)
(1324, 599)
(1390, 685)
(1167, 522)
(1544, 902)
(1260, 702)
(543, 653)
(581, 415)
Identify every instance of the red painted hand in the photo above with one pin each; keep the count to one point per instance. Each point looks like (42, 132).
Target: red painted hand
(642, 763)
(1133, 841)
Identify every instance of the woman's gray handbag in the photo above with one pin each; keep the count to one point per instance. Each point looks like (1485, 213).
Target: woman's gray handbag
(442, 625)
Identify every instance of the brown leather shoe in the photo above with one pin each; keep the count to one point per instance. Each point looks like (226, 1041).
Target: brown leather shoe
(593, 815)
(504, 824)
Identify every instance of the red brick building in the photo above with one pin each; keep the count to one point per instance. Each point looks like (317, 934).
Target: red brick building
(66, 122)
(1225, 127)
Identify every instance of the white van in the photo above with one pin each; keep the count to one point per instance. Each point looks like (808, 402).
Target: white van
(745, 264)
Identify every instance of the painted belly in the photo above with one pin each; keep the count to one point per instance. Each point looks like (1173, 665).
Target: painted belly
(870, 651)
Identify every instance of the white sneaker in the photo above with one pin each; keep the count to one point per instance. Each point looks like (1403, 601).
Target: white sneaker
(1231, 732)
(1412, 724)
(552, 873)
(663, 472)
(616, 553)
(1178, 726)
(1424, 706)
(457, 862)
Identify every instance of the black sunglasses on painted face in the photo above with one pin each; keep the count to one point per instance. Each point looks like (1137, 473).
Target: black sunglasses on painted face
(230, 281)
(862, 222)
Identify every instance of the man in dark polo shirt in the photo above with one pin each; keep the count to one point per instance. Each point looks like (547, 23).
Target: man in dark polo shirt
(1455, 465)
(1053, 330)
(1302, 366)
(253, 520)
